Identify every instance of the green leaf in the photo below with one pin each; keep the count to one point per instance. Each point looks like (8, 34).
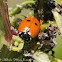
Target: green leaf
(45, 25)
(43, 57)
(5, 53)
(58, 19)
(58, 1)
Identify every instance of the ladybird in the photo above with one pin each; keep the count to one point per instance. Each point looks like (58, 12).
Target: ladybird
(29, 28)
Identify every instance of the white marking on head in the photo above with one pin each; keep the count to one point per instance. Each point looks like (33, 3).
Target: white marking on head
(26, 29)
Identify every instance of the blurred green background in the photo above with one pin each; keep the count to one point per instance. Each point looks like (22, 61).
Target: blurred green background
(11, 3)
(58, 48)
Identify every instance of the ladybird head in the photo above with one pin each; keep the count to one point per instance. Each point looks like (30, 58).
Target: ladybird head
(25, 34)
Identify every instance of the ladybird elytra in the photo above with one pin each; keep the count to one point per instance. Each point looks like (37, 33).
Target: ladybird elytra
(30, 26)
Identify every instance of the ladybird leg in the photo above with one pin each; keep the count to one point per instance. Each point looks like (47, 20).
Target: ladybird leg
(20, 34)
(30, 34)
(53, 53)
(30, 38)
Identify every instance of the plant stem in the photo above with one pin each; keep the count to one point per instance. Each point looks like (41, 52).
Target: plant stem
(19, 8)
(5, 20)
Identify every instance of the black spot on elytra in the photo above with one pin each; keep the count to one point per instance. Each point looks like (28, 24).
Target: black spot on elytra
(36, 24)
(28, 20)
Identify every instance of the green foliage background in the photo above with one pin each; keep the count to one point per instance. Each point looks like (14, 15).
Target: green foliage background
(58, 48)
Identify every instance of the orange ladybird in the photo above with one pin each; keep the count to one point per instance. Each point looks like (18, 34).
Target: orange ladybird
(29, 28)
